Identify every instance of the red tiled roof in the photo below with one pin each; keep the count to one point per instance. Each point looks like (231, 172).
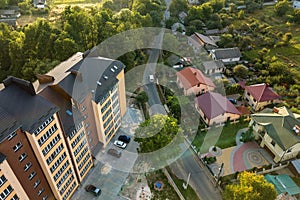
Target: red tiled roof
(214, 104)
(190, 77)
(261, 92)
(243, 110)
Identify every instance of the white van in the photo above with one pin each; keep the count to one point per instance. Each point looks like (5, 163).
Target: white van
(151, 78)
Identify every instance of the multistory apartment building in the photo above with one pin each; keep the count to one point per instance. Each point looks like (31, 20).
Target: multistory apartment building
(50, 129)
(96, 87)
(74, 131)
(22, 162)
(42, 129)
(10, 187)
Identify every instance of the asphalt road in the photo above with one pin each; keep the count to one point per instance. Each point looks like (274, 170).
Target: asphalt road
(199, 179)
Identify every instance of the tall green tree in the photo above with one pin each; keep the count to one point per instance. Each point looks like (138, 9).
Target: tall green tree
(250, 187)
(282, 7)
(156, 132)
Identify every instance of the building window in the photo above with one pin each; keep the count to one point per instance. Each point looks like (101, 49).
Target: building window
(40, 191)
(48, 134)
(6, 192)
(15, 197)
(45, 197)
(27, 166)
(17, 146)
(44, 125)
(2, 180)
(32, 175)
(58, 162)
(22, 157)
(273, 143)
(12, 135)
(51, 145)
(36, 183)
(54, 154)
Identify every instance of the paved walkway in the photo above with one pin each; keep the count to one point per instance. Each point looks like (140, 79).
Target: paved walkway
(241, 157)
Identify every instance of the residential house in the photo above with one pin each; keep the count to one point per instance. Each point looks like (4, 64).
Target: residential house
(284, 184)
(9, 16)
(245, 112)
(193, 2)
(213, 67)
(296, 4)
(198, 41)
(216, 109)
(216, 31)
(226, 55)
(39, 4)
(193, 81)
(279, 131)
(259, 95)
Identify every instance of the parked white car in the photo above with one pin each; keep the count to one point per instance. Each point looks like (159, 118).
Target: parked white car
(120, 144)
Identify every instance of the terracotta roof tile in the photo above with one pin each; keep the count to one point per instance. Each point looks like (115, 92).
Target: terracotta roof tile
(190, 77)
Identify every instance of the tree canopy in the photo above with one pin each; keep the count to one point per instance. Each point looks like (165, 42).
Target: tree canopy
(250, 187)
(156, 132)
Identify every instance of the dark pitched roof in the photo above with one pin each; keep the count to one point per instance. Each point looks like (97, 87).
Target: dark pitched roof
(100, 75)
(226, 53)
(280, 126)
(69, 116)
(19, 99)
(213, 64)
(214, 104)
(190, 77)
(206, 39)
(262, 92)
(8, 124)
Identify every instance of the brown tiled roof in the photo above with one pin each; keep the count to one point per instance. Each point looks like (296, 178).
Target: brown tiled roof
(243, 110)
(205, 39)
(190, 77)
(214, 104)
(261, 92)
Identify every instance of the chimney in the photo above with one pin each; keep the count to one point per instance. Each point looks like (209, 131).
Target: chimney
(43, 78)
(275, 110)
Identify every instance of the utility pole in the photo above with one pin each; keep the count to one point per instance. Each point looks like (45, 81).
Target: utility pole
(218, 176)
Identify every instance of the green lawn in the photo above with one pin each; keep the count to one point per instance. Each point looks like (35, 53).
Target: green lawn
(189, 193)
(279, 24)
(222, 137)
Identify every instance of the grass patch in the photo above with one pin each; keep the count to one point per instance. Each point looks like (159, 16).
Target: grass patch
(189, 193)
(222, 137)
(167, 192)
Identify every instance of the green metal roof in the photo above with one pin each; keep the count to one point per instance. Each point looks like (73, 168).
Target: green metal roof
(279, 128)
(283, 183)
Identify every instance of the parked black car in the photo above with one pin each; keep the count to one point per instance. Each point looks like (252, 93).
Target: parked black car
(124, 138)
(114, 152)
(93, 189)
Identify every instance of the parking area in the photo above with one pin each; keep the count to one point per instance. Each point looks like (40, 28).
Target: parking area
(110, 172)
